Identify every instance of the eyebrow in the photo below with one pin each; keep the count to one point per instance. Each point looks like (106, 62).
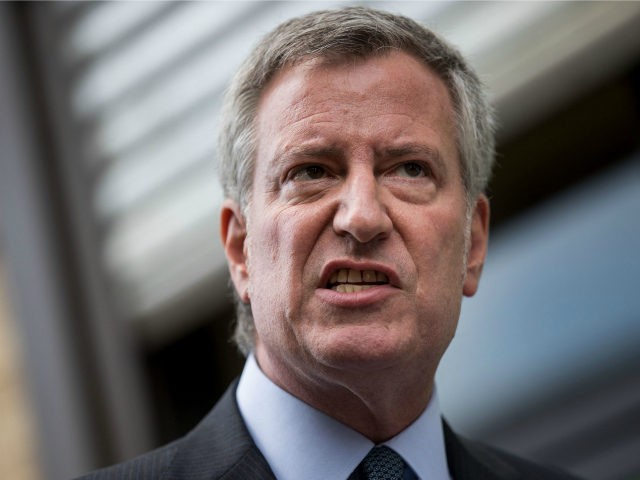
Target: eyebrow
(419, 149)
(335, 152)
(312, 151)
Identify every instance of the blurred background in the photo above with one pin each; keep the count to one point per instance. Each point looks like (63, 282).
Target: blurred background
(114, 307)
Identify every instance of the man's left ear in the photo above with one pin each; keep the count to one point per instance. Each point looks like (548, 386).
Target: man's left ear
(477, 245)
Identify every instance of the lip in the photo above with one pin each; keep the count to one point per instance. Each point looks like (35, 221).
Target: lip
(361, 299)
(333, 265)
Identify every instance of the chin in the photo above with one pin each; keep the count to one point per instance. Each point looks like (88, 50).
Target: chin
(359, 350)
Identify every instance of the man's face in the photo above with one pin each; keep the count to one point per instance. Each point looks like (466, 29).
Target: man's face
(354, 258)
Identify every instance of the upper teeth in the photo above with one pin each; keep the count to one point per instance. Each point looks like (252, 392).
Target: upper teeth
(361, 278)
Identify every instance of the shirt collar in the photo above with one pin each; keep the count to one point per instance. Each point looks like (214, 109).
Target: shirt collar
(299, 441)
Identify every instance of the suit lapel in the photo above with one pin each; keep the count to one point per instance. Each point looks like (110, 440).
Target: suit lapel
(220, 447)
(471, 461)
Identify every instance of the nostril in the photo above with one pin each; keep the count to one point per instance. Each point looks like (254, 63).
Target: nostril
(363, 226)
(362, 212)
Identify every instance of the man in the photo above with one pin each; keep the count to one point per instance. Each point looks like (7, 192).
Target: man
(355, 149)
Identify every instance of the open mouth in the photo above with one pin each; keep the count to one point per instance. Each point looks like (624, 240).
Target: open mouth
(348, 280)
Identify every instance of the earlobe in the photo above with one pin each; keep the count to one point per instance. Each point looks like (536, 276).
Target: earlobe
(233, 233)
(478, 242)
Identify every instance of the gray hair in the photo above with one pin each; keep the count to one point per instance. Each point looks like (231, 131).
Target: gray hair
(336, 36)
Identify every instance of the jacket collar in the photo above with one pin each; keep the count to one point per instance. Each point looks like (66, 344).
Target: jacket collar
(219, 447)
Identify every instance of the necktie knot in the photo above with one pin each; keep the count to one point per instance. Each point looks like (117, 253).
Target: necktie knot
(382, 463)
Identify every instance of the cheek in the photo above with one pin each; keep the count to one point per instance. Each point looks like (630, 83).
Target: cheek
(439, 253)
(439, 290)
(278, 246)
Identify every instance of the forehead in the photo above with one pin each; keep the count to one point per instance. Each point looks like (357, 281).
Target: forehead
(305, 75)
(382, 97)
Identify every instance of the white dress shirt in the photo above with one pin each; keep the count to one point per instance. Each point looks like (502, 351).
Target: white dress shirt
(299, 441)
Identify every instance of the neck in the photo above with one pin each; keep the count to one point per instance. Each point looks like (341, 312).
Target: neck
(379, 404)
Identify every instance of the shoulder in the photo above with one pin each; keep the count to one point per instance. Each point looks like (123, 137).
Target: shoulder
(219, 446)
(507, 462)
(474, 460)
(151, 465)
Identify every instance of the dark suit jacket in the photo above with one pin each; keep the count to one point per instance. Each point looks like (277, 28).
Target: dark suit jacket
(220, 447)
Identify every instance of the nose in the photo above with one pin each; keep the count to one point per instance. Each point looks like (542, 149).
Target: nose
(361, 213)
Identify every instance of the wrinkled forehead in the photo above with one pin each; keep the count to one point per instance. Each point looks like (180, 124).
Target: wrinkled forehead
(334, 64)
(335, 58)
(390, 103)
(389, 83)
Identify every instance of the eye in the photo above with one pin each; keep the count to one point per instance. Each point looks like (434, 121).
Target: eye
(309, 172)
(411, 170)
